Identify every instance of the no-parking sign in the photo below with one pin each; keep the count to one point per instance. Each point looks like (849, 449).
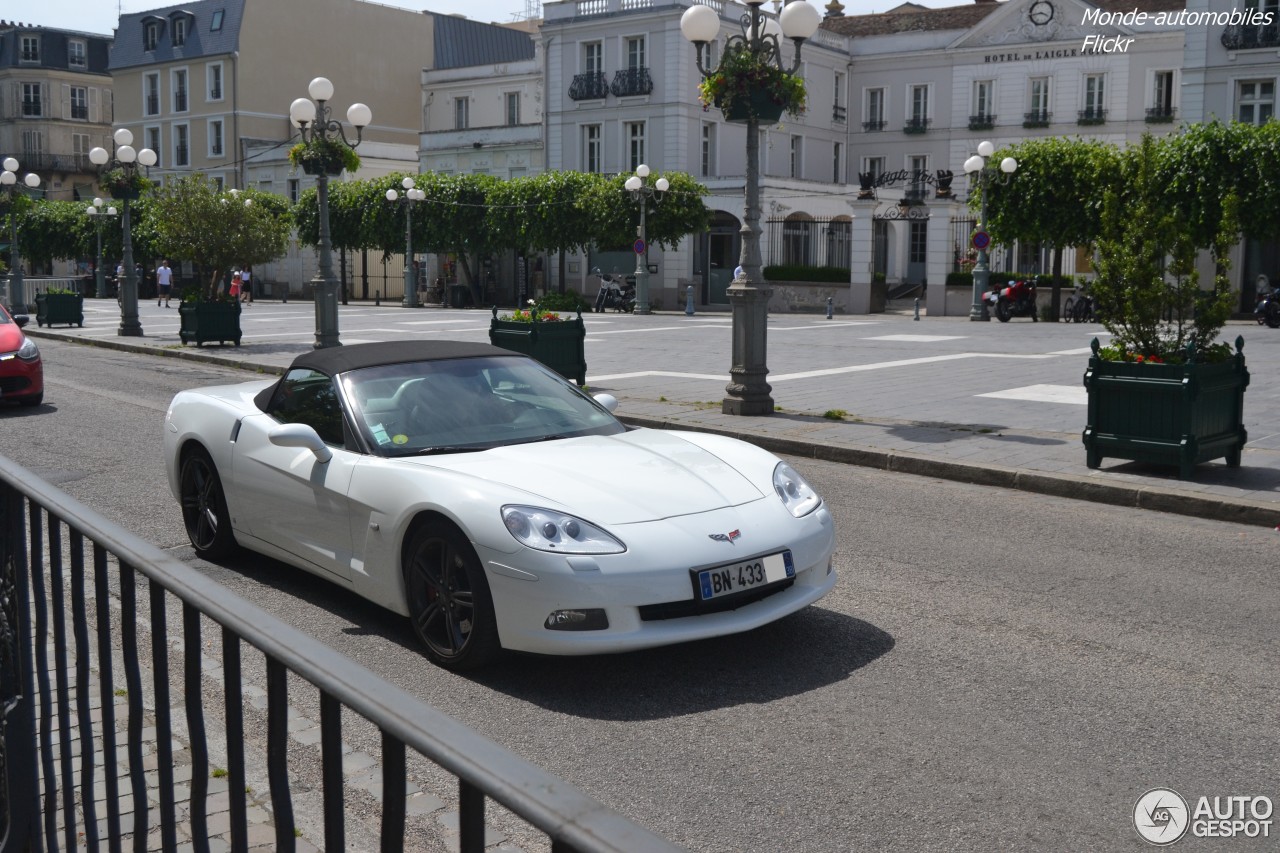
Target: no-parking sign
(981, 240)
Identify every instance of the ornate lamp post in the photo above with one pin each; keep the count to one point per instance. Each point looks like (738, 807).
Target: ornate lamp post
(97, 213)
(642, 191)
(747, 391)
(410, 195)
(313, 119)
(976, 166)
(127, 159)
(9, 182)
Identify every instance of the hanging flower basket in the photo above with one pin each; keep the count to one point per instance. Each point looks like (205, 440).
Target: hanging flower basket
(121, 185)
(746, 84)
(324, 157)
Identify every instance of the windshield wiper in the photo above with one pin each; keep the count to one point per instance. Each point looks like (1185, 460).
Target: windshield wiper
(451, 448)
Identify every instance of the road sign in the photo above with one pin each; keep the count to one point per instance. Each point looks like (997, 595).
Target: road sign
(981, 240)
(638, 246)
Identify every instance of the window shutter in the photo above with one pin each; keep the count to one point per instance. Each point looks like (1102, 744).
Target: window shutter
(66, 101)
(95, 95)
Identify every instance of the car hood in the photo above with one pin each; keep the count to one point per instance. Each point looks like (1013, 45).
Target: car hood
(11, 338)
(636, 476)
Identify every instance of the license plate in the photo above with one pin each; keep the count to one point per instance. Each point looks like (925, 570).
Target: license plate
(735, 577)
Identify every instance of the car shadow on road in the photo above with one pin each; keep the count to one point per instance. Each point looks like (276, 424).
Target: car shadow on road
(801, 653)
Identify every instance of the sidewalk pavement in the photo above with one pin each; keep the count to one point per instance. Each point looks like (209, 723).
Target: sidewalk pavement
(950, 414)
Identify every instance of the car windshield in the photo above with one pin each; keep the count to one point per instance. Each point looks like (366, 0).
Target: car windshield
(468, 404)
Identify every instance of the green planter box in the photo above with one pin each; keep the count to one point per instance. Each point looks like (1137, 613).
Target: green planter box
(209, 321)
(1166, 414)
(560, 345)
(59, 308)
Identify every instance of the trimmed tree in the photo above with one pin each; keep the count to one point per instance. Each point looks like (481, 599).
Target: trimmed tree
(1054, 198)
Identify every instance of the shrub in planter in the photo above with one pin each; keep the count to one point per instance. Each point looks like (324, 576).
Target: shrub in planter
(558, 343)
(59, 306)
(209, 320)
(1166, 390)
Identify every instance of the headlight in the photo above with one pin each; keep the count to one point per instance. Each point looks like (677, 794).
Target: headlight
(28, 351)
(797, 495)
(548, 530)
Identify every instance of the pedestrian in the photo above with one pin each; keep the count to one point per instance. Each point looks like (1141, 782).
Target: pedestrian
(739, 272)
(246, 284)
(164, 281)
(234, 293)
(119, 281)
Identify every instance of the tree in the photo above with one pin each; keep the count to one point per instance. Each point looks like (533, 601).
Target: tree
(1055, 196)
(1147, 286)
(194, 221)
(54, 230)
(680, 212)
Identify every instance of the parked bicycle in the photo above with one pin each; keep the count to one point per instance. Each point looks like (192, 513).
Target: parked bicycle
(1079, 307)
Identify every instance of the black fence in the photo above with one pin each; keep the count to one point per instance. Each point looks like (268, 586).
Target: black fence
(73, 647)
(808, 242)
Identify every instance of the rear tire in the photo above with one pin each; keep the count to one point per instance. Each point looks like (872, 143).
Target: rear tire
(1069, 310)
(450, 605)
(1002, 311)
(1273, 315)
(204, 507)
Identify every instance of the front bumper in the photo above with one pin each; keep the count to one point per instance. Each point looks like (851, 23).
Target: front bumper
(655, 571)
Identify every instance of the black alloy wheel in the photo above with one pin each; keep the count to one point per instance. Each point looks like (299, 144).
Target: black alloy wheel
(1273, 315)
(204, 507)
(1002, 311)
(449, 600)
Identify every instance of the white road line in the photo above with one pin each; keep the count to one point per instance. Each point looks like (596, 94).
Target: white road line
(1072, 394)
(719, 377)
(913, 339)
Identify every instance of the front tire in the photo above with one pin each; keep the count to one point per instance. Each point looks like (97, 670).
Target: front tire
(1273, 315)
(449, 601)
(204, 507)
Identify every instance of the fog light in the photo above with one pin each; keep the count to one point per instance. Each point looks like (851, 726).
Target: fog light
(577, 620)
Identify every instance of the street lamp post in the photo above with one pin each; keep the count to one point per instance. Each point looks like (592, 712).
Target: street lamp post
(747, 392)
(315, 125)
(127, 159)
(407, 198)
(97, 213)
(9, 182)
(642, 191)
(976, 166)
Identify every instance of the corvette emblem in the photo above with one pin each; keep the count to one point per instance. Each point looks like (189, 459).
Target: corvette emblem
(726, 537)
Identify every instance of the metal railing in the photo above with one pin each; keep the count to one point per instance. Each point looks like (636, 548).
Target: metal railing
(589, 85)
(631, 81)
(67, 570)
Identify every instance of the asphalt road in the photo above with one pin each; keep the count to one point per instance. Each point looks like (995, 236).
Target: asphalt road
(994, 670)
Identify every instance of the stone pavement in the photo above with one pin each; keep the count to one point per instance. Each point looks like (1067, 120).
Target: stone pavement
(991, 403)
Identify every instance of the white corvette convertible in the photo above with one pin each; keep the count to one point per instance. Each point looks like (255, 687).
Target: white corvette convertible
(495, 504)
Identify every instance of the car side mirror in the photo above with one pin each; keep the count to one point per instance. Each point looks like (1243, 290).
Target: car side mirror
(300, 435)
(21, 320)
(609, 401)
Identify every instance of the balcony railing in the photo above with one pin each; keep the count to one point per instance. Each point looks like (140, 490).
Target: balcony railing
(631, 81)
(917, 125)
(80, 112)
(180, 154)
(839, 113)
(982, 121)
(1161, 115)
(153, 105)
(874, 125)
(589, 86)
(54, 162)
(180, 101)
(1036, 118)
(1241, 37)
(1092, 116)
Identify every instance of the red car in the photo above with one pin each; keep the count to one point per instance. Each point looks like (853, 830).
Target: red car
(21, 371)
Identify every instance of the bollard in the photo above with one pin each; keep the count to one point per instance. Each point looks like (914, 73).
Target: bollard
(285, 300)
(377, 297)
(688, 302)
(829, 308)
(917, 317)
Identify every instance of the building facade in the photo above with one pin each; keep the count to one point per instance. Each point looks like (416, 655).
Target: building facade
(55, 104)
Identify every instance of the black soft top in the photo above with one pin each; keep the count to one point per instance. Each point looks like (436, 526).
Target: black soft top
(341, 359)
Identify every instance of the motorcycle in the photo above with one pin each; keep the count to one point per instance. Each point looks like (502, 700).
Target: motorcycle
(1018, 299)
(620, 296)
(1268, 309)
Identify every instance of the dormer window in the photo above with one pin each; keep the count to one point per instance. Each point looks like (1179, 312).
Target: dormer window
(150, 35)
(30, 48)
(179, 32)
